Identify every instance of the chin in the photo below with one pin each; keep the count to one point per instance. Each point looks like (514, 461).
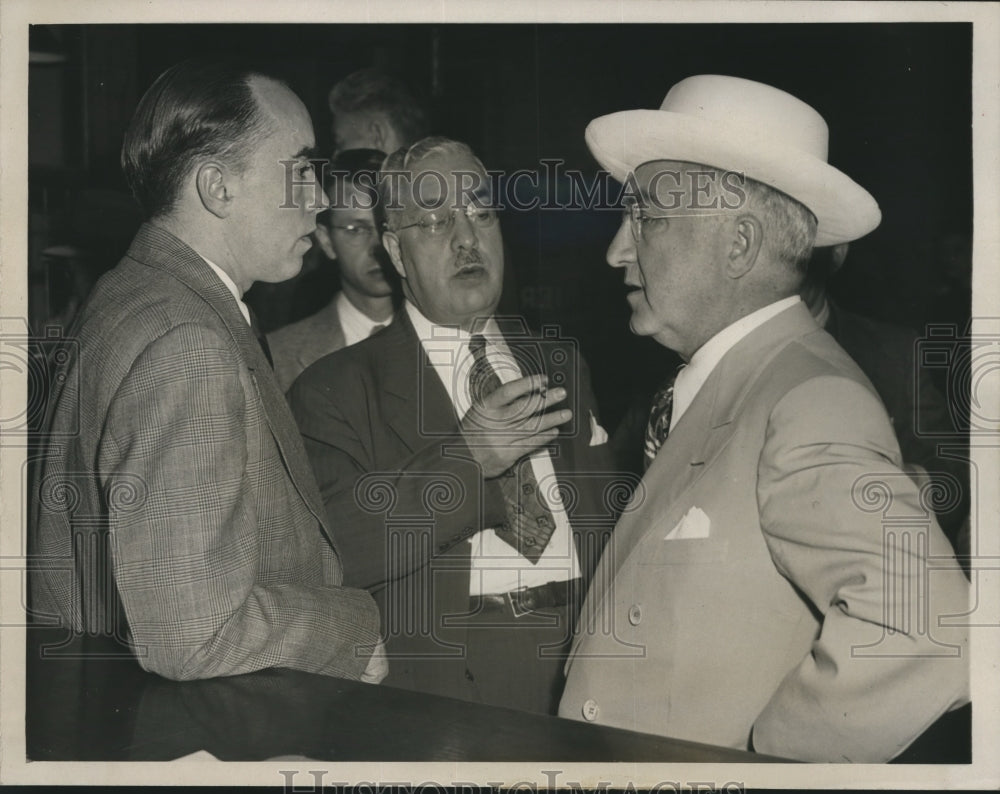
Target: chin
(288, 270)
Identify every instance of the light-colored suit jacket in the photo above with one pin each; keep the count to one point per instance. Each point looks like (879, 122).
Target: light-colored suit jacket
(296, 346)
(771, 574)
(174, 506)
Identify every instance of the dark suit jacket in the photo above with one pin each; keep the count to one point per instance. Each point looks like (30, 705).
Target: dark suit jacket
(396, 472)
(175, 507)
(294, 347)
(920, 416)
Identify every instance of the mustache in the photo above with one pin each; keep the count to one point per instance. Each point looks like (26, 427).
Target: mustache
(466, 258)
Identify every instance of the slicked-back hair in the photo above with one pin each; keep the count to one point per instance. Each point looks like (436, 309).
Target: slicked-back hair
(195, 111)
(358, 168)
(372, 90)
(407, 160)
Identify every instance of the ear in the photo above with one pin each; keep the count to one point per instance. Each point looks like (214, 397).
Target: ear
(390, 241)
(323, 237)
(838, 255)
(377, 132)
(215, 194)
(747, 237)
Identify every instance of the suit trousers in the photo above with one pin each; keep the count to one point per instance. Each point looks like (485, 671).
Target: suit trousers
(482, 653)
(517, 661)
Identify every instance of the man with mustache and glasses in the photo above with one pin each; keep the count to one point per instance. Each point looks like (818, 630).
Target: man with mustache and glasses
(348, 234)
(452, 446)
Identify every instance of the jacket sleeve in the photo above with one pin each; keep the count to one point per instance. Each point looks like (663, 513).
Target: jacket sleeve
(850, 531)
(392, 517)
(187, 543)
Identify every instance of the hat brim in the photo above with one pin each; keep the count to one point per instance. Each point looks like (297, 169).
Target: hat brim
(623, 141)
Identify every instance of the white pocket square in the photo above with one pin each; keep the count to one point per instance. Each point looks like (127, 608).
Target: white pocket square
(598, 435)
(695, 524)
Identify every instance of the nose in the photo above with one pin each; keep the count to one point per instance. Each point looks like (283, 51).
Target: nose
(464, 233)
(621, 252)
(322, 202)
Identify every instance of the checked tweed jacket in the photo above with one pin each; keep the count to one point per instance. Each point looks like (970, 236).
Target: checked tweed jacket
(174, 506)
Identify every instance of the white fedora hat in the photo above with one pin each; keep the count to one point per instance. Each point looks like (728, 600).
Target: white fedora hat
(740, 125)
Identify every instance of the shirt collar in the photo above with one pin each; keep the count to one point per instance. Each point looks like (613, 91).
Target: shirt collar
(231, 286)
(355, 324)
(446, 347)
(692, 377)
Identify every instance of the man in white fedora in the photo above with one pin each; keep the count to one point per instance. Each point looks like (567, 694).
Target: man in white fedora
(778, 583)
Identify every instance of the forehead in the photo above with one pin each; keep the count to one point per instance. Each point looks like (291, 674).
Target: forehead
(353, 204)
(345, 123)
(444, 175)
(288, 119)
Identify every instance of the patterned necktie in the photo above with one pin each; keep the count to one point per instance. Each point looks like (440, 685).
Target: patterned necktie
(659, 421)
(261, 338)
(529, 523)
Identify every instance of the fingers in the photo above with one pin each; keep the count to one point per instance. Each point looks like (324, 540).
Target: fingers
(499, 455)
(522, 398)
(531, 387)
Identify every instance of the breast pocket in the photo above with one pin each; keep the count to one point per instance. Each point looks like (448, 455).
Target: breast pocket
(695, 551)
(662, 546)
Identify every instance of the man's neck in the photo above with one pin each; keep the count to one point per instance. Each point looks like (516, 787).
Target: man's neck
(205, 243)
(375, 309)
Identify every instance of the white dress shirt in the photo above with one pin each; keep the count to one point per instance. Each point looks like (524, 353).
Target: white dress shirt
(355, 324)
(497, 567)
(231, 286)
(692, 377)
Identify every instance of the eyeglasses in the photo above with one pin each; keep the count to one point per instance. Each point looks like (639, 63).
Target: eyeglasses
(442, 221)
(355, 233)
(637, 216)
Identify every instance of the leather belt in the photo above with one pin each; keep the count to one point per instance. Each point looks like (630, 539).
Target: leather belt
(531, 599)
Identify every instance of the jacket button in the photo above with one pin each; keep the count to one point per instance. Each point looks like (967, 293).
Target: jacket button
(591, 710)
(635, 614)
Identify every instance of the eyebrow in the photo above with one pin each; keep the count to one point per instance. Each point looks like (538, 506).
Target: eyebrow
(308, 152)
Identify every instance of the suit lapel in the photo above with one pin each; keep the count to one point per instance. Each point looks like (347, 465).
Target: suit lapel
(417, 407)
(158, 248)
(704, 430)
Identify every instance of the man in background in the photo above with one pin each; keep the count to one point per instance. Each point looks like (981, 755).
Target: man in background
(371, 110)
(463, 453)
(375, 110)
(349, 234)
(920, 416)
(175, 509)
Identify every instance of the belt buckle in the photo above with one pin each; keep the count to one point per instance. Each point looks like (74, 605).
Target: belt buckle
(514, 605)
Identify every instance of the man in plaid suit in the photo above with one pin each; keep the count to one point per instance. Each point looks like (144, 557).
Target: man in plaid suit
(174, 507)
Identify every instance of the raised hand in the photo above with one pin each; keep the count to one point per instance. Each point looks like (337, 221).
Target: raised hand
(512, 421)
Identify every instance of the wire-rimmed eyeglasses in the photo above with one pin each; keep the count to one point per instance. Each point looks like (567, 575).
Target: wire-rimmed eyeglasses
(637, 215)
(442, 221)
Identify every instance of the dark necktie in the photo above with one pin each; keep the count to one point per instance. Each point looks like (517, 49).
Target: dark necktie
(376, 329)
(658, 426)
(529, 523)
(261, 338)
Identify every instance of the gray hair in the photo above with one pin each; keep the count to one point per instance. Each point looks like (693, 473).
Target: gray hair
(791, 225)
(405, 161)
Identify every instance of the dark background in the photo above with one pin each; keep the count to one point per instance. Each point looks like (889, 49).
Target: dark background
(897, 98)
